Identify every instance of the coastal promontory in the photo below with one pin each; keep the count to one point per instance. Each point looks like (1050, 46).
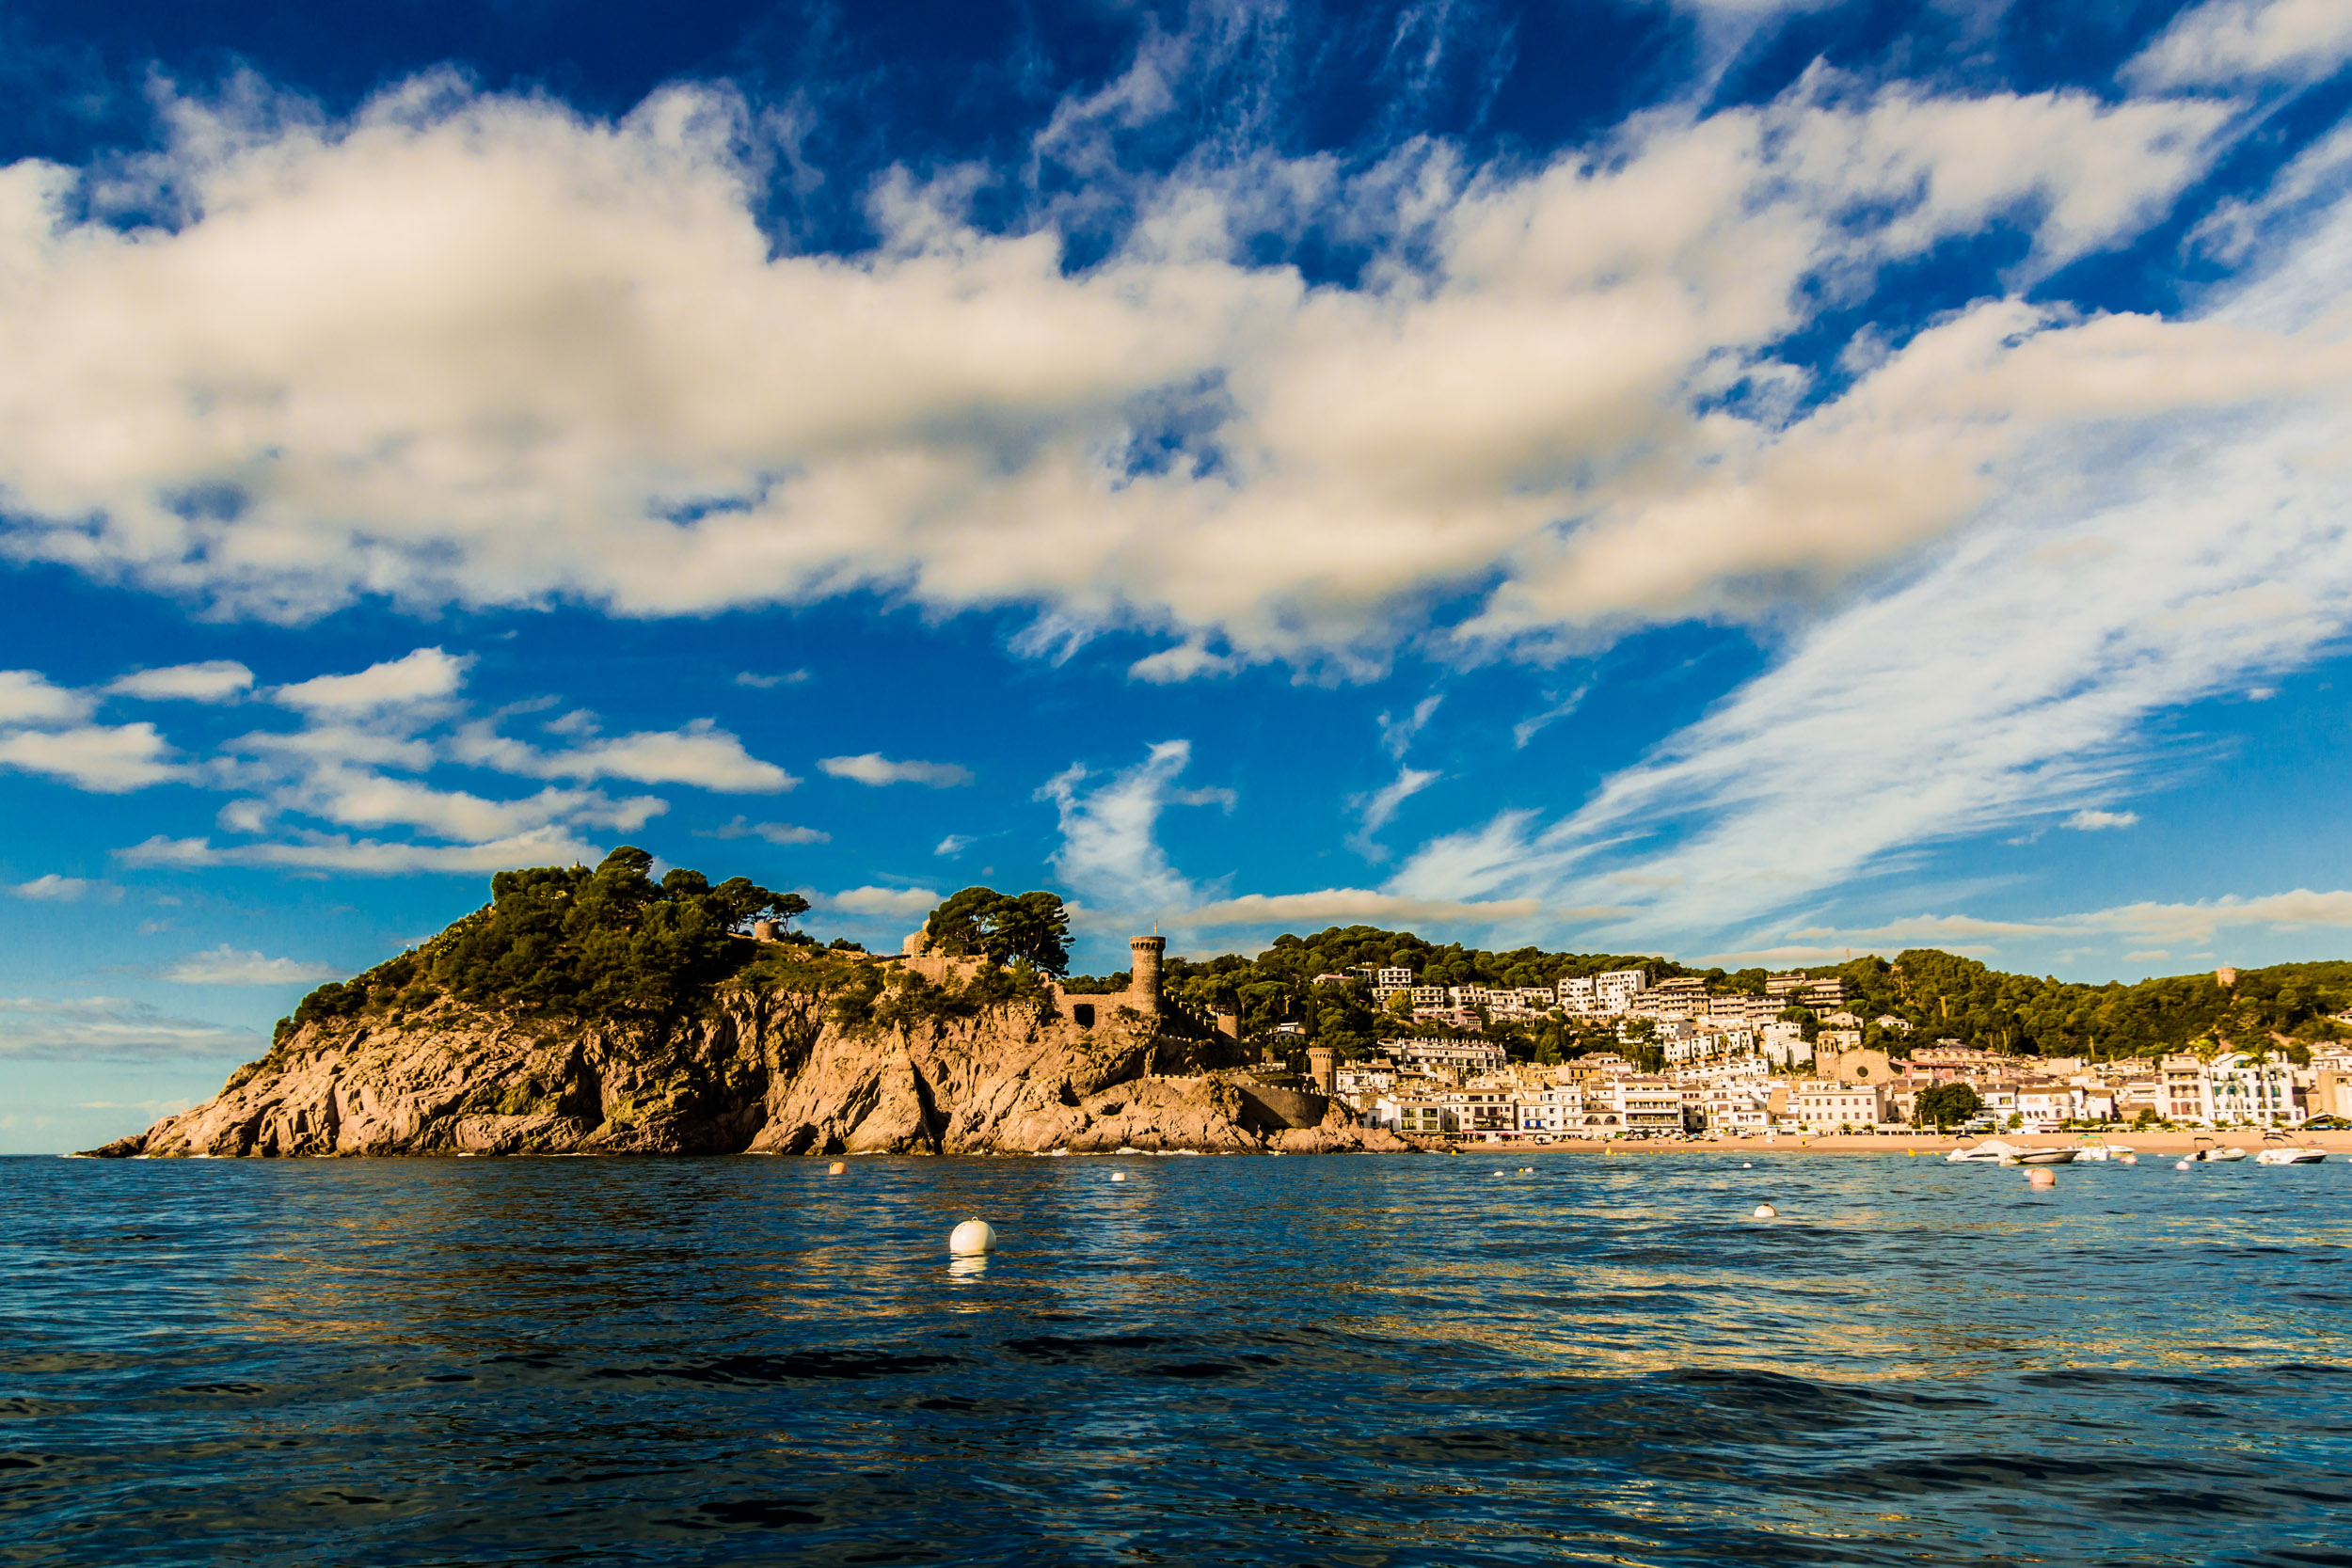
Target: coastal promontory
(597, 1011)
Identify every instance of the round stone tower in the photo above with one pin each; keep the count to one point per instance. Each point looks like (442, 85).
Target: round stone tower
(1145, 967)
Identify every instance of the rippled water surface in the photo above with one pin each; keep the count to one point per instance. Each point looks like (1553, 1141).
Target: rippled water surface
(1344, 1360)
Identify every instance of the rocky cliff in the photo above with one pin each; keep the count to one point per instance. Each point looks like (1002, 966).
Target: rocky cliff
(759, 1070)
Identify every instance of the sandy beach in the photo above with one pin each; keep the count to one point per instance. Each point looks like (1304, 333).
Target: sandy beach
(2176, 1144)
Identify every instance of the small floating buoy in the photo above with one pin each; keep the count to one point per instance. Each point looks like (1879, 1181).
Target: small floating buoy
(1497, 1173)
(1527, 1170)
(1745, 1166)
(1766, 1212)
(1119, 1175)
(2041, 1175)
(2183, 1165)
(837, 1168)
(972, 1236)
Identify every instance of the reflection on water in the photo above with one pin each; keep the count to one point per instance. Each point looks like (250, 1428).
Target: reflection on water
(1364, 1360)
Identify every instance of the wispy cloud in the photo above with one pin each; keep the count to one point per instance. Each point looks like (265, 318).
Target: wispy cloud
(774, 832)
(1377, 808)
(901, 902)
(338, 852)
(1352, 906)
(1110, 851)
(758, 682)
(227, 966)
(2090, 820)
(109, 1028)
(875, 768)
(53, 889)
(214, 681)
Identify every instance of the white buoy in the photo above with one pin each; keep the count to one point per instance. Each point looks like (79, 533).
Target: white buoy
(1119, 1175)
(1766, 1212)
(1745, 1166)
(2040, 1177)
(972, 1237)
(837, 1168)
(2183, 1165)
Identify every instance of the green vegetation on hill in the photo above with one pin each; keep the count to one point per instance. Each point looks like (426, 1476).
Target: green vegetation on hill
(610, 942)
(614, 943)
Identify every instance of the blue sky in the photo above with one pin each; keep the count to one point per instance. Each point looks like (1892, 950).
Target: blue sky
(1742, 480)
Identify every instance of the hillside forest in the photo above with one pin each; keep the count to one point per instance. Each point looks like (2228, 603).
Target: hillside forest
(611, 942)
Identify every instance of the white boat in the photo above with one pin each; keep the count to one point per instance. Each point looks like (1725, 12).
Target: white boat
(2219, 1156)
(1994, 1152)
(2100, 1150)
(2290, 1156)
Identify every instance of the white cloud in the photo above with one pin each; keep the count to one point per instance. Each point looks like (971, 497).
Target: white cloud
(955, 844)
(27, 698)
(103, 1028)
(53, 889)
(2137, 565)
(422, 679)
(215, 680)
(348, 354)
(1377, 808)
(1398, 735)
(1181, 663)
(314, 851)
(2090, 820)
(1110, 854)
(899, 902)
(2197, 923)
(1535, 723)
(875, 768)
(701, 754)
(774, 832)
(225, 966)
(2227, 41)
(1352, 906)
(2177, 925)
(105, 759)
(767, 682)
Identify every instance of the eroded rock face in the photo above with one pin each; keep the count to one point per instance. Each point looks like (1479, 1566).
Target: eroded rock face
(765, 1072)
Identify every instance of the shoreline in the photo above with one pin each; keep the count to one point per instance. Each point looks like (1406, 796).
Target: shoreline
(1923, 1143)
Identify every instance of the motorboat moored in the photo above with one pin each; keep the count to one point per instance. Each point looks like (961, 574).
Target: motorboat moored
(1993, 1151)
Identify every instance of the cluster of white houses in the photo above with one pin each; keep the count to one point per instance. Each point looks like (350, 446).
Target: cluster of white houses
(1732, 1068)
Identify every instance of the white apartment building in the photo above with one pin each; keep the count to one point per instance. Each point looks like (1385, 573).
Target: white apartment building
(1451, 1055)
(2187, 1093)
(2246, 1090)
(1400, 977)
(1824, 1106)
(1647, 1105)
(1578, 995)
(1704, 1044)
(1428, 996)
(1732, 1108)
(1558, 1110)
(1784, 1044)
(1617, 990)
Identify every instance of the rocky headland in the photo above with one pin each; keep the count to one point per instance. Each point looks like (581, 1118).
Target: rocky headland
(799, 1051)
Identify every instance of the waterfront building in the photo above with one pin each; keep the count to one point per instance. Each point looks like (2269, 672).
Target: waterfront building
(2244, 1089)
(1646, 1105)
(1824, 1105)
(2187, 1093)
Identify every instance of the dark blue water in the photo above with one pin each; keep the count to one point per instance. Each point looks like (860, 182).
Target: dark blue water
(1343, 1360)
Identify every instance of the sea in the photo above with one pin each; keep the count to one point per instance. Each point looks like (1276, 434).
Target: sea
(1501, 1358)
